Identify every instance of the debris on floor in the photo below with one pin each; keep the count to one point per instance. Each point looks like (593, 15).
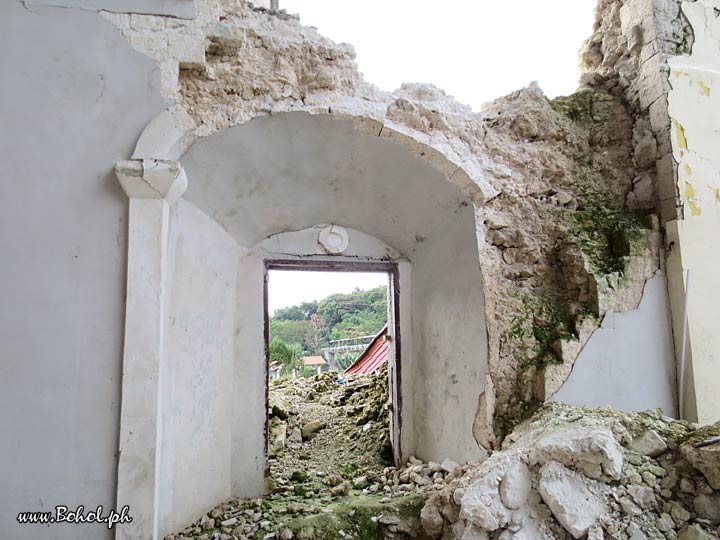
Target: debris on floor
(576, 472)
(569, 472)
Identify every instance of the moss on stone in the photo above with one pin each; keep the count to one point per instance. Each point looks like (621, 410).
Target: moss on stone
(517, 411)
(578, 106)
(605, 231)
(546, 319)
(356, 516)
(699, 435)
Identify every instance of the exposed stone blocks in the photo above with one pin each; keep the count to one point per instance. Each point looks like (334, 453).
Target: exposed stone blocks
(628, 55)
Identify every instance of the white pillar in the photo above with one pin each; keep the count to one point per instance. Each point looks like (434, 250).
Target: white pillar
(152, 186)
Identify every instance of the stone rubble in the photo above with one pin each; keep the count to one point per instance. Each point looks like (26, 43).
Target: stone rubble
(581, 472)
(569, 472)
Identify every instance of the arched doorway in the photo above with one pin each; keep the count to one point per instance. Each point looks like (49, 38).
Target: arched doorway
(266, 182)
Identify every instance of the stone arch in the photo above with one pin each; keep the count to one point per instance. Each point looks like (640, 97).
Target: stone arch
(428, 221)
(172, 132)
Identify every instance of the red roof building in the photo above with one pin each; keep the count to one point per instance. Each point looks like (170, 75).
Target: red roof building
(317, 363)
(373, 357)
(314, 360)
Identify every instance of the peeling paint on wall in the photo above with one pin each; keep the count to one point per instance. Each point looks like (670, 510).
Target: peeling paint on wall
(694, 106)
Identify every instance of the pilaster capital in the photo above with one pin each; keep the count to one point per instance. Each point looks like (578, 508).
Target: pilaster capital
(152, 179)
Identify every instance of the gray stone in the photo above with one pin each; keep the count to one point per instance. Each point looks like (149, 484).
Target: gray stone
(706, 460)
(516, 485)
(431, 518)
(679, 514)
(629, 507)
(569, 499)
(471, 533)
(480, 502)
(664, 523)
(295, 435)
(708, 507)
(448, 465)
(593, 451)
(360, 482)
(634, 532)
(278, 435)
(642, 495)
(687, 485)
(695, 532)
(310, 428)
(649, 444)
(279, 408)
(646, 151)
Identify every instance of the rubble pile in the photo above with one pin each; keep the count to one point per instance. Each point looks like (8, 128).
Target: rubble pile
(328, 451)
(336, 429)
(574, 472)
(569, 472)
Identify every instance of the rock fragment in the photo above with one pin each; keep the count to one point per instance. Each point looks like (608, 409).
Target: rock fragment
(310, 428)
(431, 518)
(695, 532)
(649, 443)
(593, 451)
(516, 485)
(708, 507)
(448, 465)
(569, 499)
(705, 459)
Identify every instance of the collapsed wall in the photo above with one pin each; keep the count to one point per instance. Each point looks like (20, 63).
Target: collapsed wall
(564, 190)
(575, 472)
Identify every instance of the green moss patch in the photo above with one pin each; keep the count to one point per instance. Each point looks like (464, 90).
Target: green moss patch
(356, 517)
(605, 231)
(547, 320)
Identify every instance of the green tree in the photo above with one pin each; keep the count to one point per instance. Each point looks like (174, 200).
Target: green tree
(289, 355)
(290, 331)
(339, 316)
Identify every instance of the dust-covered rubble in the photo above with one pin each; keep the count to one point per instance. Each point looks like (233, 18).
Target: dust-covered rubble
(595, 473)
(569, 472)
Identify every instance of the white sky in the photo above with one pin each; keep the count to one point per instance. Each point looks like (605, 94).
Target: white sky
(476, 50)
(289, 288)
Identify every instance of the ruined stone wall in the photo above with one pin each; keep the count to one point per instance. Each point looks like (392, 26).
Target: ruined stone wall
(561, 249)
(564, 190)
(627, 55)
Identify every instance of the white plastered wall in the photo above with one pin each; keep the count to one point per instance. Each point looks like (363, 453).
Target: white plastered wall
(628, 363)
(694, 107)
(294, 171)
(449, 340)
(195, 370)
(272, 177)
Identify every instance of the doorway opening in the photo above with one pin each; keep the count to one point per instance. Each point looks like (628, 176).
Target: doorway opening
(332, 358)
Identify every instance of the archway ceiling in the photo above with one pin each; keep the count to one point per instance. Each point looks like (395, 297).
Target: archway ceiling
(294, 170)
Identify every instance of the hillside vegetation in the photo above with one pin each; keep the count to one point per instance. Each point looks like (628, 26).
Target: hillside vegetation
(304, 329)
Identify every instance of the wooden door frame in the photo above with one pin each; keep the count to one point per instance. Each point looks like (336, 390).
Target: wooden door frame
(324, 265)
